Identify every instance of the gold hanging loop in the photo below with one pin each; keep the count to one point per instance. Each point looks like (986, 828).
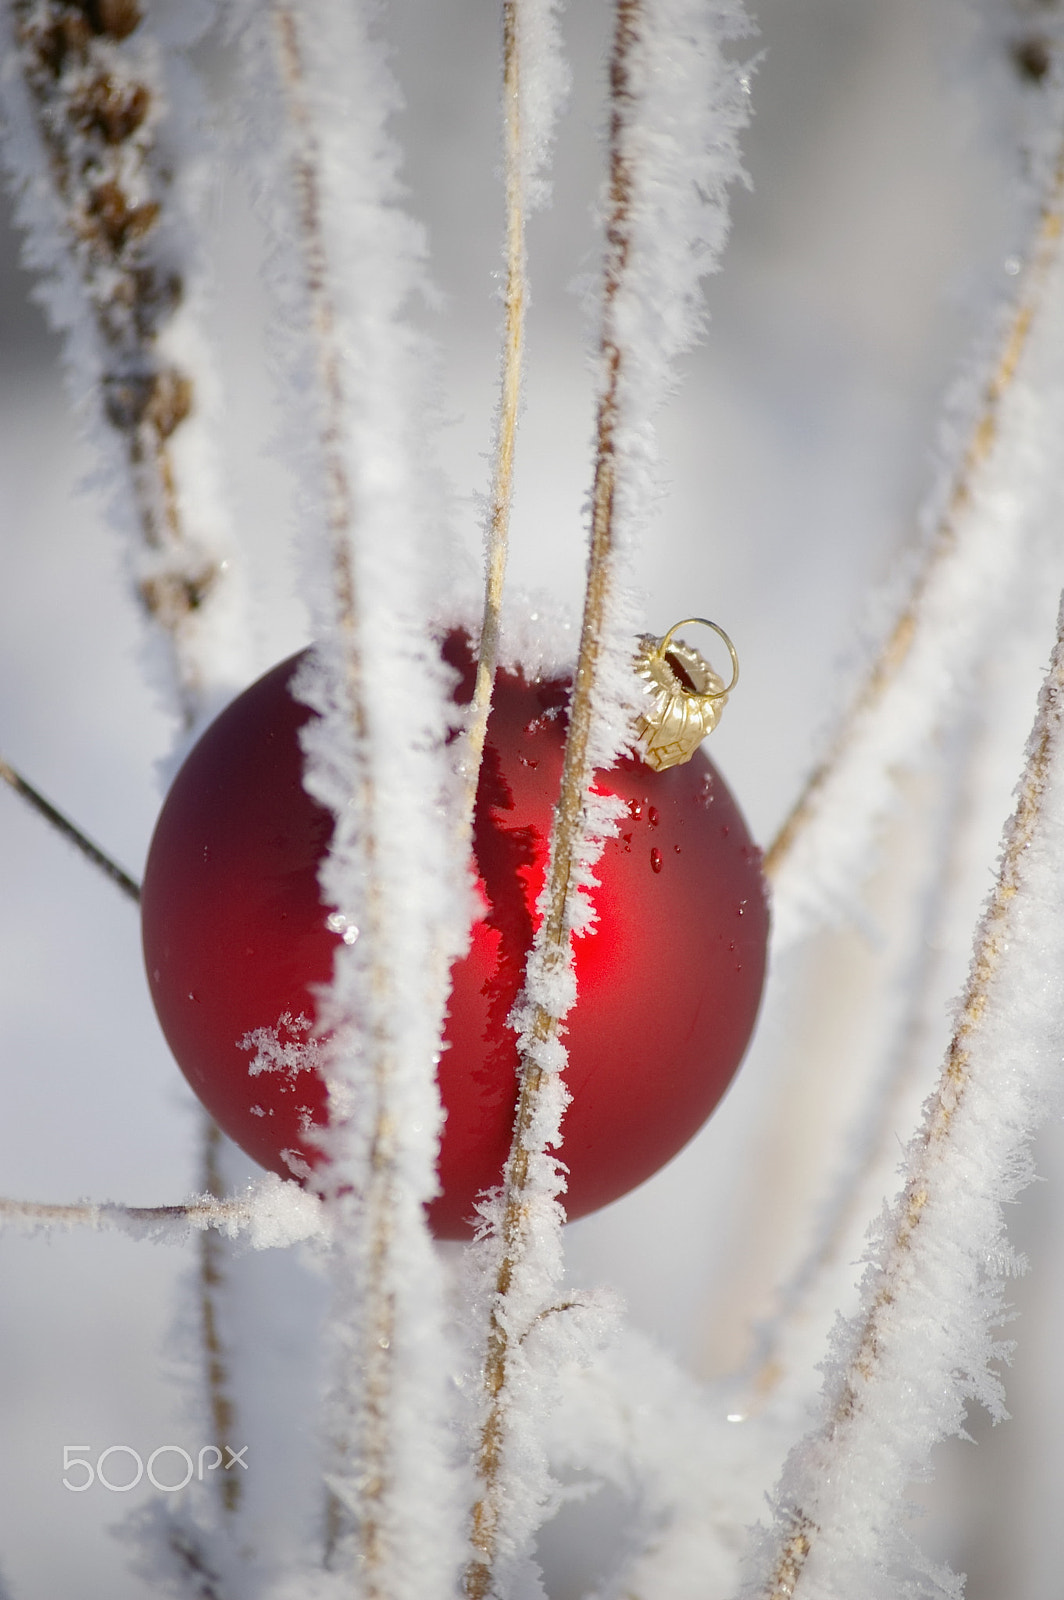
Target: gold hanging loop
(686, 696)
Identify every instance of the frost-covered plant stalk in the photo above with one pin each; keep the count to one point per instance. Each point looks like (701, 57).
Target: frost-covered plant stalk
(981, 540)
(104, 145)
(346, 262)
(534, 83)
(95, 130)
(676, 106)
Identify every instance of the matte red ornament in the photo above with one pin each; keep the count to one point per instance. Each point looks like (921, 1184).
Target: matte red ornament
(236, 940)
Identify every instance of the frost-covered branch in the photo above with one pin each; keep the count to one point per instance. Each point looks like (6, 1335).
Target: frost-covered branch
(100, 142)
(927, 660)
(104, 130)
(346, 262)
(923, 1341)
(69, 831)
(534, 83)
(273, 1215)
(676, 106)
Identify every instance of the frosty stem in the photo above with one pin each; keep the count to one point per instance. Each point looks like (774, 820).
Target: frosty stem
(512, 362)
(165, 1222)
(913, 618)
(95, 101)
(378, 1199)
(120, 258)
(551, 950)
(212, 1277)
(69, 831)
(940, 1156)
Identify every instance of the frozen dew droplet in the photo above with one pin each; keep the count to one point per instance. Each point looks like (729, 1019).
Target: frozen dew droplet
(337, 922)
(1013, 265)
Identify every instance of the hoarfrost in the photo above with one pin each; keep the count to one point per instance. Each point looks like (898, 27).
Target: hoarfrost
(992, 525)
(109, 193)
(288, 1047)
(346, 261)
(677, 107)
(924, 1340)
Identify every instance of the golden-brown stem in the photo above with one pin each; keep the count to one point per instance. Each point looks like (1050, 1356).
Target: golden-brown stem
(552, 941)
(512, 360)
(212, 1257)
(983, 438)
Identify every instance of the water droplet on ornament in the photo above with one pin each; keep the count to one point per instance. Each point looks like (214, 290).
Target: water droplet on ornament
(635, 809)
(655, 860)
(676, 849)
(1013, 265)
(652, 816)
(337, 922)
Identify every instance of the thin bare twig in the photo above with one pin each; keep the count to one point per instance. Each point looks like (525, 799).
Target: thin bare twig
(69, 831)
(205, 1213)
(212, 1261)
(907, 627)
(512, 363)
(551, 949)
(924, 1182)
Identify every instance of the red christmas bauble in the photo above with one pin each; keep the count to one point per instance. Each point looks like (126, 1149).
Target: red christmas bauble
(236, 941)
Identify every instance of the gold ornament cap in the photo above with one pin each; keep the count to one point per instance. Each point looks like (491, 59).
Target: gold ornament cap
(686, 697)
